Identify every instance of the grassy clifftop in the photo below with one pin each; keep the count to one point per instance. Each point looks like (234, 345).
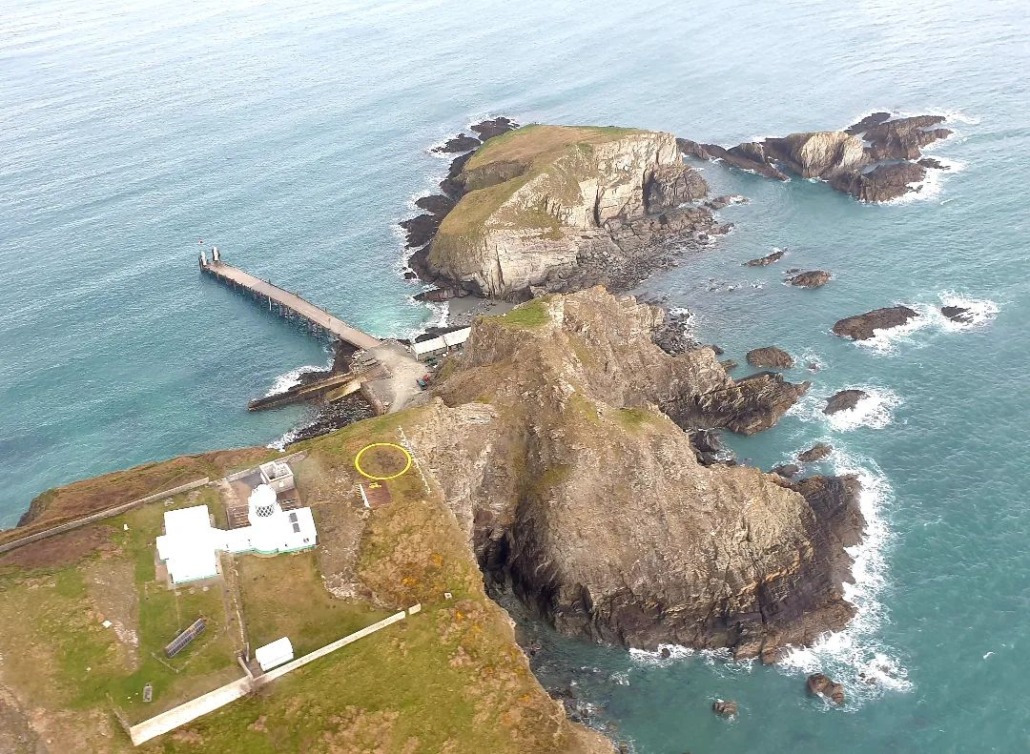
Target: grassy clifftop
(84, 619)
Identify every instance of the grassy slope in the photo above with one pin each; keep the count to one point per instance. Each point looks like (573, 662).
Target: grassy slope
(450, 679)
(90, 495)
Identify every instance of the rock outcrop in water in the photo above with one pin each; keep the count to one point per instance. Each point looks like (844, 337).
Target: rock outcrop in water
(810, 279)
(552, 208)
(767, 260)
(875, 160)
(559, 436)
(864, 326)
(770, 356)
(844, 400)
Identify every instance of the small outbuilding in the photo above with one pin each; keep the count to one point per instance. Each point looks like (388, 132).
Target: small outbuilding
(275, 654)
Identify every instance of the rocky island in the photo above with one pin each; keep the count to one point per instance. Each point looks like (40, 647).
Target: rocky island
(556, 208)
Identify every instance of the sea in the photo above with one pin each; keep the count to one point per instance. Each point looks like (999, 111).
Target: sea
(295, 135)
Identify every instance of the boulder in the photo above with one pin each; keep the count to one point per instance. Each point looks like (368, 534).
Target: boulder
(957, 314)
(817, 452)
(786, 470)
(724, 708)
(729, 364)
(766, 260)
(770, 357)
(844, 400)
(821, 685)
(864, 326)
(810, 279)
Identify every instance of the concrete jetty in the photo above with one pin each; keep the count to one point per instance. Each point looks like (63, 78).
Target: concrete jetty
(286, 303)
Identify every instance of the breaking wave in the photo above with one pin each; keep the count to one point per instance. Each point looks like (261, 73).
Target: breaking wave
(856, 656)
(875, 410)
(291, 379)
(981, 312)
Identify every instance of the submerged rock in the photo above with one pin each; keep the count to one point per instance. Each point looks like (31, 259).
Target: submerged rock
(724, 708)
(844, 400)
(810, 279)
(770, 356)
(766, 260)
(817, 452)
(864, 326)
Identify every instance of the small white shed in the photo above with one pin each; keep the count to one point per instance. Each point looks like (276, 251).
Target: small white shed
(275, 654)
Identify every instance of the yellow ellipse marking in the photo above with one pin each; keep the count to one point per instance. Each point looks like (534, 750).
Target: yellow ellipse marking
(407, 457)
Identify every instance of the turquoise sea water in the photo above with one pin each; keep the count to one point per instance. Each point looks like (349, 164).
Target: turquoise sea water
(294, 138)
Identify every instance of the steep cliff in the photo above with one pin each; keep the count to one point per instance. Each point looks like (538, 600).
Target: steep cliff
(565, 207)
(554, 437)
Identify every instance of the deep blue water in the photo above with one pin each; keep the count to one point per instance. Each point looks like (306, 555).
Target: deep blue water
(294, 138)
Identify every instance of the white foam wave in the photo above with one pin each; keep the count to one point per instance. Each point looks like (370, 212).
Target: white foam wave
(932, 184)
(291, 379)
(980, 312)
(284, 440)
(856, 655)
(875, 410)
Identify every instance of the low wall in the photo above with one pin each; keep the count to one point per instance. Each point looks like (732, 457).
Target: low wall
(101, 515)
(213, 700)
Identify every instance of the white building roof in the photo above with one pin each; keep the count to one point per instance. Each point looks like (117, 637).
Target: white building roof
(274, 654)
(428, 346)
(457, 337)
(188, 546)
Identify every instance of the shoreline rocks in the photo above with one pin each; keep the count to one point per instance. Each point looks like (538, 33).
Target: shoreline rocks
(724, 708)
(844, 400)
(864, 326)
(810, 279)
(769, 357)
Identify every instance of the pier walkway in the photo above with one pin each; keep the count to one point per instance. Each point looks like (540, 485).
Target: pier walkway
(290, 303)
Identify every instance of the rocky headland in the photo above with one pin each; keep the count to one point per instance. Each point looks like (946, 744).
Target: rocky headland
(525, 430)
(875, 160)
(555, 208)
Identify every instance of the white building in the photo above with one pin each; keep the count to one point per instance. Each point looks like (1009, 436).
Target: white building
(190, 545)
(277, 475)
(425, 349)
(275, 654)
(186, 547)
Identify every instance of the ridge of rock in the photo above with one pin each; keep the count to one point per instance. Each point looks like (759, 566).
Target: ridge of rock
(875, 160)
